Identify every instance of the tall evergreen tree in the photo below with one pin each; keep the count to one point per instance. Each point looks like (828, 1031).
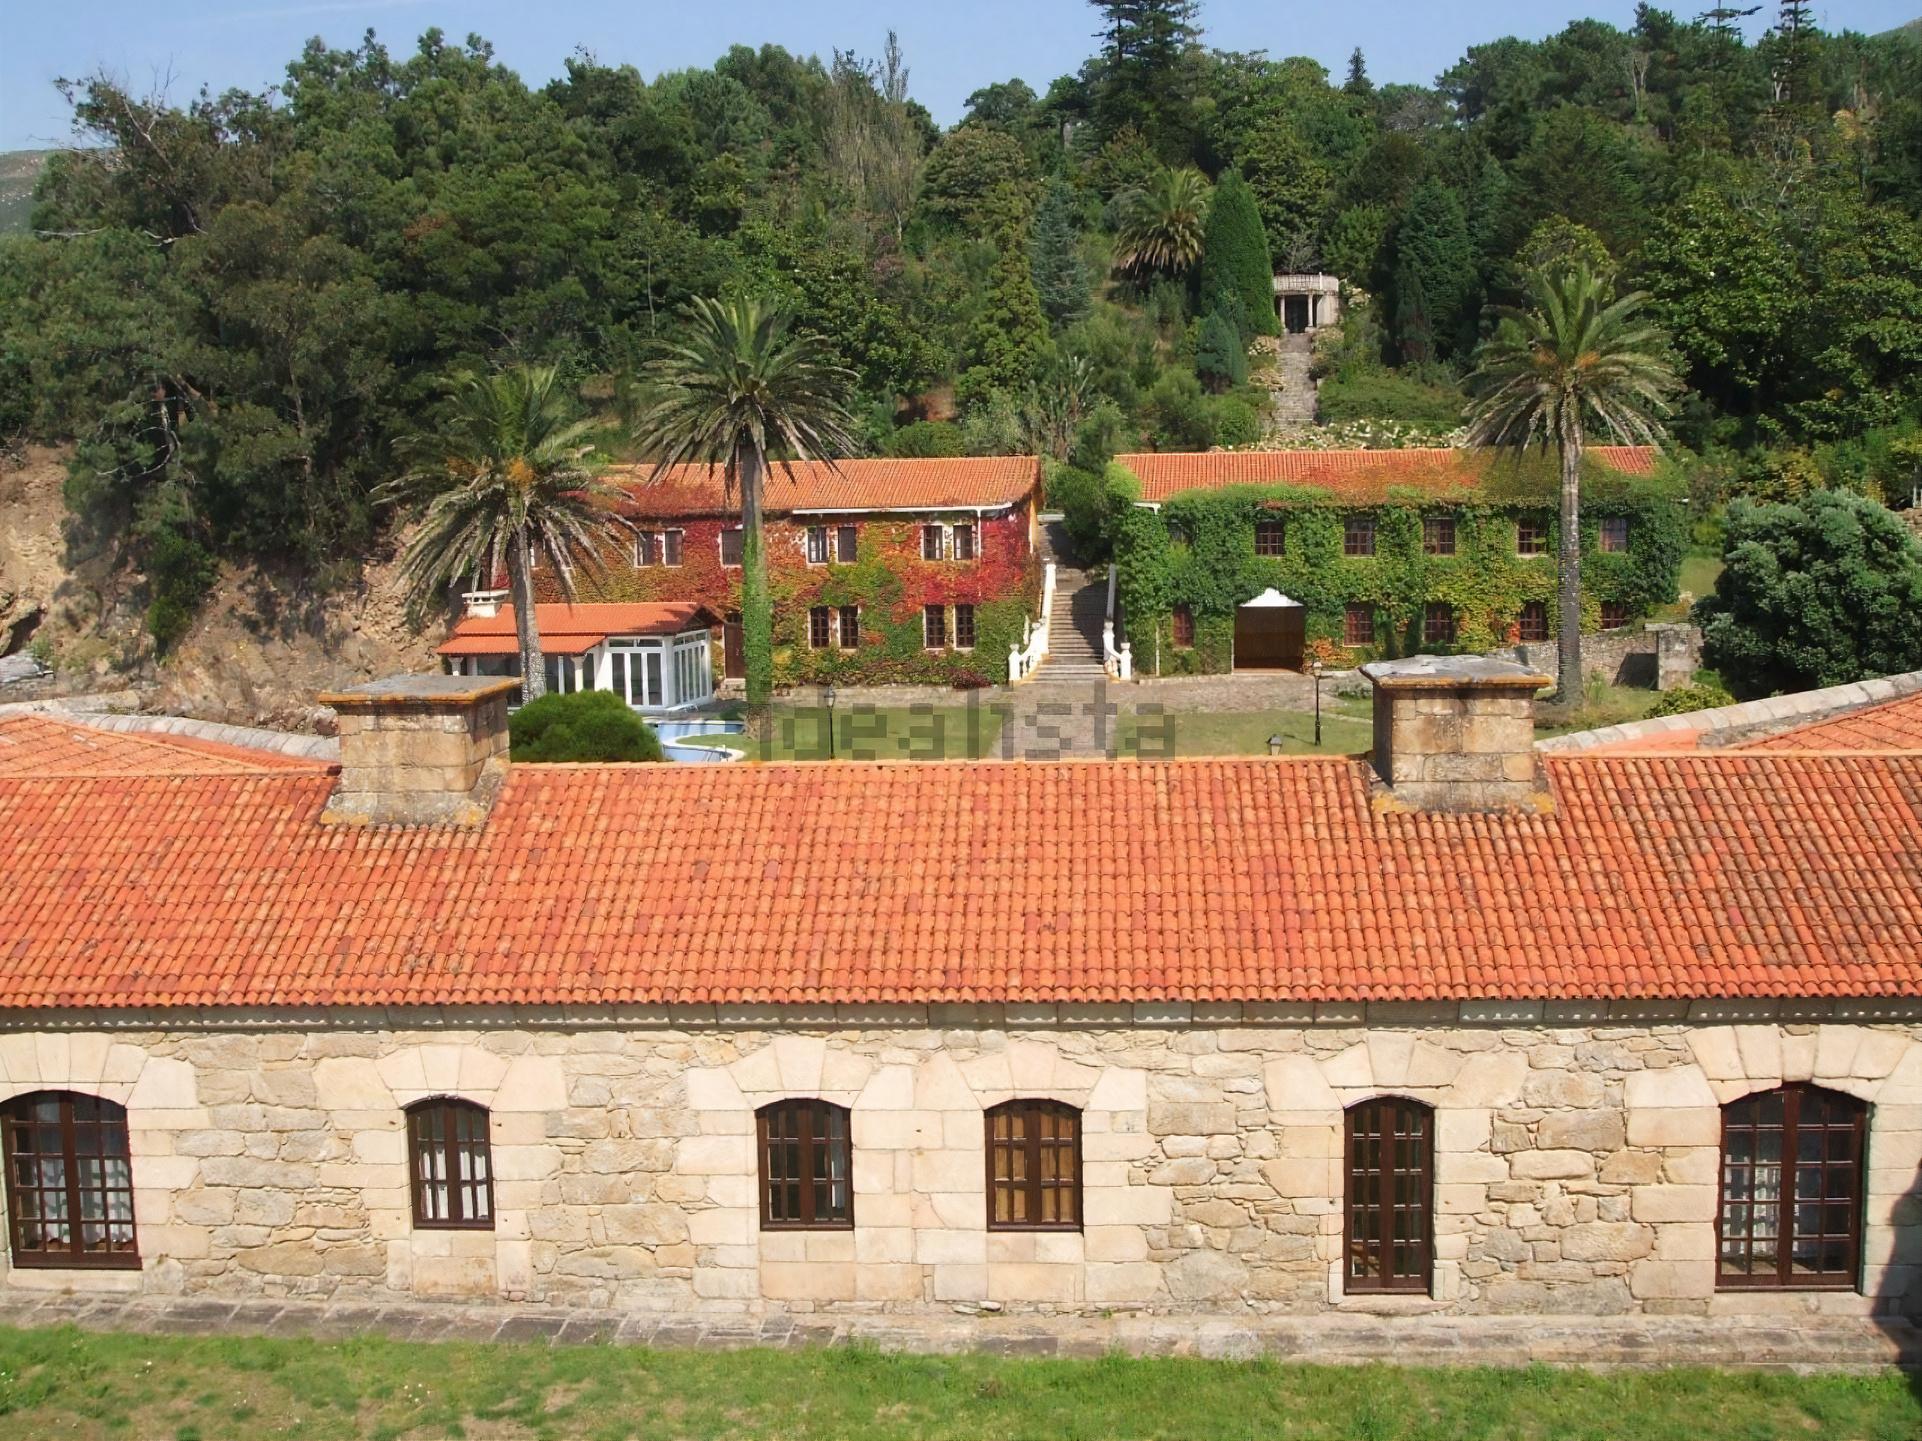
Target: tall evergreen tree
(1237, 269)
(1434, 272)
(1358, 84)
(1054, 256)
(1009, 338)
(1144, 43)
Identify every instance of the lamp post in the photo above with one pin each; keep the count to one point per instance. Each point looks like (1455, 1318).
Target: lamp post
(1274, 745)
(1315, 669)
(828, 696)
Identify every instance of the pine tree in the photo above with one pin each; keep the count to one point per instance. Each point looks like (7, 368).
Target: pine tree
(1060, 279)
(1138, 74)
(1795, 63)
(1358, 84)
(1237, 268)
(1009, 339)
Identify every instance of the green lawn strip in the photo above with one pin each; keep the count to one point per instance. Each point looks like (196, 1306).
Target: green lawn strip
(1145, 735)
(875, 733)
(63, 1383)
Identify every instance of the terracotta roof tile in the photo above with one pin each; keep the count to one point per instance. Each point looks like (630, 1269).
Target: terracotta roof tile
(1894, 725)
(850, 485)
(1357, 476)
(573, 629)
(44, 745)
(1737, 875)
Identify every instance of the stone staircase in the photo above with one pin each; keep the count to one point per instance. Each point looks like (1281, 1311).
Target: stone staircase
(1080, 608)
(1290, 384)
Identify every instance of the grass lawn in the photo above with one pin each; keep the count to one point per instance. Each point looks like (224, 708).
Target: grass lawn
(1345, 730)
(872, 733)
(58, 1384)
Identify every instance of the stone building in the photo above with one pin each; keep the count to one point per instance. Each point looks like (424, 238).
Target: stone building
(1484, 1031)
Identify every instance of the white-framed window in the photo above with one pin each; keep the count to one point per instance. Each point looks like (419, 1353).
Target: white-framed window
(965, 538)
(671, 547)
(817, 545)
(637, 672)
(647, 548)
(931, 547)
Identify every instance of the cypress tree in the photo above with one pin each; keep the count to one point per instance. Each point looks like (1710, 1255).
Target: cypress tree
(1237, 270)
(1060, 279)
(1434, 271)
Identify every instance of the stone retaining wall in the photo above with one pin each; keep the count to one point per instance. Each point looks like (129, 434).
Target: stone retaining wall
(1576, 1165)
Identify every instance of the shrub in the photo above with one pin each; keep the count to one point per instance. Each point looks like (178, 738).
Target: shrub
(1178, 415)
(927, 440)
(1221, 358)
(1234, 420)
(1684, 699)
(1817, 594)
(1081, 497)
(1376, 393)
(594, 725)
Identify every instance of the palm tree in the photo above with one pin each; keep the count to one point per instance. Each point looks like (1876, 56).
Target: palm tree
(509, 477)
(737, 385)
(1162, 223)
(1575, 355)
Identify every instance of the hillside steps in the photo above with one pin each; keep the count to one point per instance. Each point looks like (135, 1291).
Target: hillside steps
(1284, 367)
(1080, 609)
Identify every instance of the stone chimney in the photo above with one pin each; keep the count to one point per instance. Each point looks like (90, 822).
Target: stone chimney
(420, 750)
(1457, 733)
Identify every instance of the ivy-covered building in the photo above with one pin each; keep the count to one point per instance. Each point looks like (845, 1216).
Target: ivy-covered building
(882, 571)
(1267, 560)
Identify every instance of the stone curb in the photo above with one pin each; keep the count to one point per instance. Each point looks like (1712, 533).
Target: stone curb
(1784, 1343)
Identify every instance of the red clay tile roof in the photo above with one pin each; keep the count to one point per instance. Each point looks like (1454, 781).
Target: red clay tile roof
(574, 629)
(1713, 875)
(1894, 725)
(44, 745)
(958, 484)
(1358, 476)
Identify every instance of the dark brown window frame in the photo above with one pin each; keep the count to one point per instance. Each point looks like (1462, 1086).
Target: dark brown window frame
(1619, 620)
(1428, 610)
(1611, 525)
(740, 547)
(969, 549)
(846, 544)
(1433, 539)
(1381, 1245)
(420, 1115)
(11, 1123)
(811, 1112)
(850, 635)
(964, 633)
(1033, 1186)
(647, 549)
(934, 627)
(931, 534)
(671, 547)
(1181, 626)
(1793, 1094)
(1542, 632)
(1348, 613)
(1271, 538)
(820, 627)
(1531, 538)
(1359, 536)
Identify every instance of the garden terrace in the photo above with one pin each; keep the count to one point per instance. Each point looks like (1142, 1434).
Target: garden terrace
(1229, 560)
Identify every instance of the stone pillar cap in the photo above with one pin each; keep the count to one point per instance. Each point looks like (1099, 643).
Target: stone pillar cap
(447, 690)
(1454, 672)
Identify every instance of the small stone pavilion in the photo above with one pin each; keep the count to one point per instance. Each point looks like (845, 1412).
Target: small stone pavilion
(1472, 1028)
(1307, 303)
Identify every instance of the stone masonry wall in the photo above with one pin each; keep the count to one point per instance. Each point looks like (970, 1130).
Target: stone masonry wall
(1576, 1164)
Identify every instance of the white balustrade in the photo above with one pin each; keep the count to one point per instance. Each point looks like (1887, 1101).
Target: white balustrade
(1025, 659)
(1117, 660)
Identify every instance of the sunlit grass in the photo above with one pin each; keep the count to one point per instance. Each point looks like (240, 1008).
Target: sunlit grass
(67, 1384)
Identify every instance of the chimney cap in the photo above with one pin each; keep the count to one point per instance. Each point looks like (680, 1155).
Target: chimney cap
(420, 690)
(1454, 672)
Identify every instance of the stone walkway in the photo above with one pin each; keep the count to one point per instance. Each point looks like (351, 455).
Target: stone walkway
(1786, 1343)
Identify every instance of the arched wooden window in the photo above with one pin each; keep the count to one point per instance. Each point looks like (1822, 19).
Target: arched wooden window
(1389, 1228)
(69, 1181)
(1034, 1166)
(1792, 1169)
(806, 1166)
(453, 1165)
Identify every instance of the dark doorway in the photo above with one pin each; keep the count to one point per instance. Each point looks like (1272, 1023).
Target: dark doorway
(1294, 313)
(1270, 637)
(733, 648)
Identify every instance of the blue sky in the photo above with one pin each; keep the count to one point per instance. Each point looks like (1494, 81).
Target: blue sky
(951, 49)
